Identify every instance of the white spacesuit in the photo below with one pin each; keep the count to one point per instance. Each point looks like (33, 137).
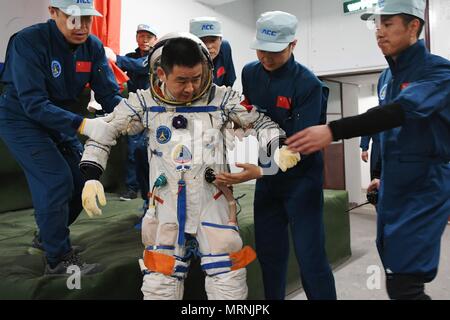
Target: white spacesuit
(188, 213)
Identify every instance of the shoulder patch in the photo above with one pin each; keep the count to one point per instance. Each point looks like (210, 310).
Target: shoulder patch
(56, 69)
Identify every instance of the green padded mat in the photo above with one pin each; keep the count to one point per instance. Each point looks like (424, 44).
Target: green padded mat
(112, 241)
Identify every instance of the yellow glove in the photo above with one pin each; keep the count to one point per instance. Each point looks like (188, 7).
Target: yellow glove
(92, 190)
(286, 159)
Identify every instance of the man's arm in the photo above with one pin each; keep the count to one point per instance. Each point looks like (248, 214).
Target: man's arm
(103, 82)
(139, 66)
(375, 120)
(29, 79)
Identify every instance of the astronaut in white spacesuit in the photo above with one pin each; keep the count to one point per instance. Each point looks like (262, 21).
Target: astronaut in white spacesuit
(186, 116)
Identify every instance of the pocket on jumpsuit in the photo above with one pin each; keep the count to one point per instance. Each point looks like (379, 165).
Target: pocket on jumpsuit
(222, 238)
(167, 234)
(149, 229)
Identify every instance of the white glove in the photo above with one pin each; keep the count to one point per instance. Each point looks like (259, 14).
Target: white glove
(110, 55)
(286, 159)
(93, 105)
(92, 190)
(99, 130)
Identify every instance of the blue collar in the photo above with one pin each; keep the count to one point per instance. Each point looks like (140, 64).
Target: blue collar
(283, 70)
(408, 57)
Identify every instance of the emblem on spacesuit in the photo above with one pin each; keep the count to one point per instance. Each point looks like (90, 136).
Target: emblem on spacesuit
(56, 69)
(163, 135)
(181, 154)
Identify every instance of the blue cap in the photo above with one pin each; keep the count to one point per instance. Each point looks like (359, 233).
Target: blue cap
(391, 7)
(147, 28)
(205, 27)
(76, 7)
(274, 31)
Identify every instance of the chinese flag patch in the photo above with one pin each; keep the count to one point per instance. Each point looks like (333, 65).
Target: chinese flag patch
(284, 102)
(403, 86)
(83, 66)
(220, 72)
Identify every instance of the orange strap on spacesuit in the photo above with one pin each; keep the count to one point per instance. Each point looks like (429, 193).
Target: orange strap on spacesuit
(159, 262)
(242, 258)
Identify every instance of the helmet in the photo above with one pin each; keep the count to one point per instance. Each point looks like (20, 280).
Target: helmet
(155, 61)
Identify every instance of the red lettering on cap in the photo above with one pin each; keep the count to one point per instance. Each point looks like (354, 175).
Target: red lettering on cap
(83, 66)
(403, 86)
(284, 102)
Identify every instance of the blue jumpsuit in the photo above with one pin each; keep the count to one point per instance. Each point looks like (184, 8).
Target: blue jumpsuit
(294, 98)
(374, 153)
(43, 77)
(136, 66)
(224, 74)
(414, 196)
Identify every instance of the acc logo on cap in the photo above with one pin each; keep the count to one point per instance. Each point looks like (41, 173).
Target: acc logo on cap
(269, 32)
(163, 135)
(383, 92)
(84, 1)
(208, 27)
(56, 69)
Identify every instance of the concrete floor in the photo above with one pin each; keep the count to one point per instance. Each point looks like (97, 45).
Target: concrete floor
(352, 277)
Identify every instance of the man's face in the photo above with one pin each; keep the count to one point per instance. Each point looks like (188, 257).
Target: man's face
(145, 40)
(76, 30)
(183, 83)
(213, 44)
(272, 61)
(393, 36)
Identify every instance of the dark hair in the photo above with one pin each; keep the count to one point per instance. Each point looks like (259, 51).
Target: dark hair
(180, 52)
(407, 18)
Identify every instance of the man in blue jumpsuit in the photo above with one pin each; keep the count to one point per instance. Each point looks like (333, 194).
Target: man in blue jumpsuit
(47, 66)
(293, 97)
(139, 74)
(209, 29)
(414, 121)
(374, 153)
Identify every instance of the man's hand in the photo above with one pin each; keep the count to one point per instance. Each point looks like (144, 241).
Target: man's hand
(249, 172)
(374, 185)
(110, 55)
(99, 130)
(92, 190)
(286, 159)
(365, 156)
(310, 140)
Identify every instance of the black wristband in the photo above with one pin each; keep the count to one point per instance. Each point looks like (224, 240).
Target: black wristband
(375, 120)
(90, 171)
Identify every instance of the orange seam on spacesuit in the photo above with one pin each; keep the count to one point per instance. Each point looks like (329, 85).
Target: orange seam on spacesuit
(242, 258)
(159, 262)
(218, 195)
(161, 201)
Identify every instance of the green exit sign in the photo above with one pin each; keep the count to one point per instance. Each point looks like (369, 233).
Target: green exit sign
(352, 6)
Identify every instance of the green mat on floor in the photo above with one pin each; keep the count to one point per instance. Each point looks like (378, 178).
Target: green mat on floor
(113, 241)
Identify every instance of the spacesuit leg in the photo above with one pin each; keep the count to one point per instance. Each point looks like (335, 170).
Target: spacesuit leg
(223, 258)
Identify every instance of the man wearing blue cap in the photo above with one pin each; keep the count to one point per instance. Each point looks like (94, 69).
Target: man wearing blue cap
(414, 120)
(293, 97)
(47, 66)
(139, 74)
(209, 29)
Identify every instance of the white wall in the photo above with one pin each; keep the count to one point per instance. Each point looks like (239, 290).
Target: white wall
(439, 27)
(18, 14)
(237, 19)
(367, 99)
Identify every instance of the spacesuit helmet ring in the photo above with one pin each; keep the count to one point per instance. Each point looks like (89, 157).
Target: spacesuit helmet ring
(155, 61)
